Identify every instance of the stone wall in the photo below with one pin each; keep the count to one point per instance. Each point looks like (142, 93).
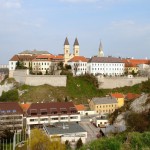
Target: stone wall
(113, 82)
(22, 76)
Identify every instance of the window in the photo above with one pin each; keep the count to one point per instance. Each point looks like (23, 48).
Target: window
(44, 119)
(43, 111)
(74, 117)
(33, 111)
(8, 111)
(63, 110)
(63, 118)
(73, 110)
(14, 111)
(53, 111)
(54, 118)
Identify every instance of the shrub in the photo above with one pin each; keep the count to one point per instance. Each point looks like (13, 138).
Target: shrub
(11, 95)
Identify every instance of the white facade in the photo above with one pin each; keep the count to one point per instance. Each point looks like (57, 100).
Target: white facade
(41, 66)
(101, 121)
(12, 65)
(108, 69)
(78, 68)
(35, 120)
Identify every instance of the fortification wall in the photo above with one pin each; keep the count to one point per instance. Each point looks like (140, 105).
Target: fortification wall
(113, 82)
(22, 76)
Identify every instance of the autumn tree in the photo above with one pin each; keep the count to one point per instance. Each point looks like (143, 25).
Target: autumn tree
(40, 141)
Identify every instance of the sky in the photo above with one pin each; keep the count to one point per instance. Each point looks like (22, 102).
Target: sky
(123, 27)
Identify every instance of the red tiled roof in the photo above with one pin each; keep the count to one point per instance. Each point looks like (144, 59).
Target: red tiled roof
(117, 95)
(78, 58)
(12, 107)
(80, 107)
(22, 58)
(68, 106)
(135, 62)
(58, 57)
(131, 96)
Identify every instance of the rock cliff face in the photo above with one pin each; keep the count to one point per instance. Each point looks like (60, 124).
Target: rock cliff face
(6, 87)
(139, 105)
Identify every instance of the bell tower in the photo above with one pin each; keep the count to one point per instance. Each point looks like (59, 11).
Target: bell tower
(76, 48)
(66, 50)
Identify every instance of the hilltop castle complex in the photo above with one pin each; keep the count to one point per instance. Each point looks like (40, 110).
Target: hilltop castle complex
(44, 62)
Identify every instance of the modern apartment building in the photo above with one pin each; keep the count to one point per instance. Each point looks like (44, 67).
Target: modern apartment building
(11, 115)
(43, 113)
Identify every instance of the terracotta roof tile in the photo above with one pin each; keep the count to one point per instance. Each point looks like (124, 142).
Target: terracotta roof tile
(135, 62)
(132, 96)
(80, 107)
(78, 59)
(117, 95)
(22, 58)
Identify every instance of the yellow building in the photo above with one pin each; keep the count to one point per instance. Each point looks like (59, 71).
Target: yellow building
(103, 105)
(120, 99)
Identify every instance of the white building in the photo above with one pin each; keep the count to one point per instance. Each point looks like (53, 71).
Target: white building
(52, 112)
(78, 65)
(71, 132)
(109, 66)
(46, 62)
(101, 121)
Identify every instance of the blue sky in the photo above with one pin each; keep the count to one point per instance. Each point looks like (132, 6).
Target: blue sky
(123, 26)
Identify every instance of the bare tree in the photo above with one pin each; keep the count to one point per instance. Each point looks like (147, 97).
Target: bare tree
(76, 66)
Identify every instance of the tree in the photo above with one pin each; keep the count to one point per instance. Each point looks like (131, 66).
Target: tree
(79, 143)
(67, 67)
(40, 141)
(20, 65)
(60, 65)
(67, 145)
(11, 95)
(52, 68)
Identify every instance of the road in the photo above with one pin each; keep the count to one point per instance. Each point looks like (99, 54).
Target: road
(92, 131)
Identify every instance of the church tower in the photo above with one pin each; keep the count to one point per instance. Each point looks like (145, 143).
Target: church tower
(66, 50)
(100, 52)
(76, 48)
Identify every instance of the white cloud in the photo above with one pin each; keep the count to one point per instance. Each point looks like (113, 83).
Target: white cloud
(123, 23)
(8, 4)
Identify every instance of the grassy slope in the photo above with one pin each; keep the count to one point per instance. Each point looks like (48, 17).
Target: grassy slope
(78, 89)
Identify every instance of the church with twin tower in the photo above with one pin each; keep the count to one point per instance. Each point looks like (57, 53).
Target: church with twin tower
(76, 50)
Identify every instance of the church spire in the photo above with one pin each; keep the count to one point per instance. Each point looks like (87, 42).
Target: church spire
(76, 42)
(66, 41)
(100, 53)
